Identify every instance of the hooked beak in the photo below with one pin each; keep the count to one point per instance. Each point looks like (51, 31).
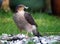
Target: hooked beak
(26, 7)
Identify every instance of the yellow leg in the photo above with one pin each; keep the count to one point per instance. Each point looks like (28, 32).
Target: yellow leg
(20, 31)
(27, 33)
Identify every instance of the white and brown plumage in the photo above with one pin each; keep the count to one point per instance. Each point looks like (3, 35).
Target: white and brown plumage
(25, 21)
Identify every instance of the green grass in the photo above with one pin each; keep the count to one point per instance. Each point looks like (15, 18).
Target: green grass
(47, 24)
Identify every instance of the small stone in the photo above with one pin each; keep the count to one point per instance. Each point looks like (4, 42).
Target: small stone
(0, 42)
(26, 37)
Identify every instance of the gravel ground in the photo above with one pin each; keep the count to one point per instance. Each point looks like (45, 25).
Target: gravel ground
(23, 39)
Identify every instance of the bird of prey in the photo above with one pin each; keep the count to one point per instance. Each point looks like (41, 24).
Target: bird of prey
(25, 21)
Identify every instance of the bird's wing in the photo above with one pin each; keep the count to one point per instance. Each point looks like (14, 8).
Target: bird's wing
(30, 19)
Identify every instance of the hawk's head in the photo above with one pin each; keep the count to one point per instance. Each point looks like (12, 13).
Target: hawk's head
(21, 7)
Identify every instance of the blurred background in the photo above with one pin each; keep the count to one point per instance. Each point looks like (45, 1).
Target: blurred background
(45, 12)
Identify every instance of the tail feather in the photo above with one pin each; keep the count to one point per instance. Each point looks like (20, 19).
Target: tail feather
(36, 33)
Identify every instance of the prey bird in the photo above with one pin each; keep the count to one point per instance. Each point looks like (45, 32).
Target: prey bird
(25, 21)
